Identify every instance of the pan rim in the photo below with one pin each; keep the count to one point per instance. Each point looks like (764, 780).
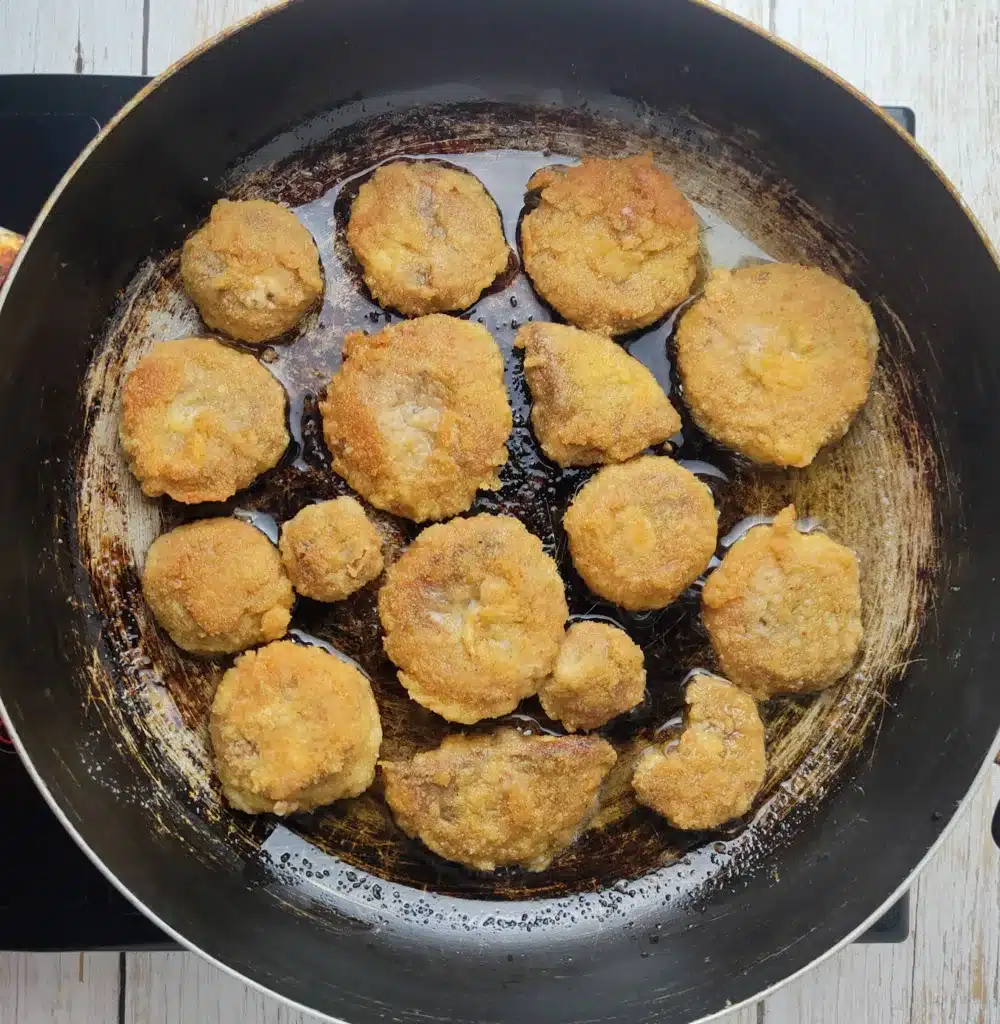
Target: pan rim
(960, 808)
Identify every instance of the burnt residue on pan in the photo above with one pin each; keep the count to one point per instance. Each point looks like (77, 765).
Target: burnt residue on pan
(874, 491)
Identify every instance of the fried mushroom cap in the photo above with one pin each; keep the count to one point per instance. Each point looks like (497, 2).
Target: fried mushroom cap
(428, 237)
(473, 615)
(217, 586)
(776, 360)
(330, 549)
(612, 245)
(487, 801)
(591, 401)
(598, 675)
(252, 270)
(641, 533)
(417, 418)
(200, 420)
(783, 610)
(293, 728)
(713, 771)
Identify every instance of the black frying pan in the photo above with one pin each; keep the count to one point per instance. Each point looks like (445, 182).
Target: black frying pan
(637, 922)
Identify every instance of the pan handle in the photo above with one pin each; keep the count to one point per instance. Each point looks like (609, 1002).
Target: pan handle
(995, 828)
(10, 245)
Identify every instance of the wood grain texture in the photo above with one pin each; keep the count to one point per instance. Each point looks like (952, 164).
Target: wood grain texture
(176, 26)
(58, 988)
(65, 36)
(179, 988)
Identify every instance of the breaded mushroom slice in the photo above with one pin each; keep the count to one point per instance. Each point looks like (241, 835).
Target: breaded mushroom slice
(783, 610)
(612, 245)
(293, 728)
(591, 401)
(252, 270)
(641, 533)
(331, 549)
(217, 586)
(599, 674)
(473, 615)
(417, 417)
(713, 771)
(200, 420)
(776, 360)
(489, 801)
(428, 237)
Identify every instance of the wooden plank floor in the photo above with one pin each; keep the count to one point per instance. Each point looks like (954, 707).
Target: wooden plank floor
(942, 57)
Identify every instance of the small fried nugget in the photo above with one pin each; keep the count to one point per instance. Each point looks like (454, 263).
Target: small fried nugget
(201, 420)
(217, 586)
(613, 244)
(776, 360)
(591, 401)
(641, 533)
(417, 418)
(293, 728)
(598, 675)
(473, 614)
(331, 549)
(252, 270)
(783, 610)
(428, 237)
(713, 771)
(487, 801)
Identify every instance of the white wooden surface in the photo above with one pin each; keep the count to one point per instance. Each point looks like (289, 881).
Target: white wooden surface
(942, 57)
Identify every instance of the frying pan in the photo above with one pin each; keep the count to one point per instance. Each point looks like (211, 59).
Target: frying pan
(338, 913)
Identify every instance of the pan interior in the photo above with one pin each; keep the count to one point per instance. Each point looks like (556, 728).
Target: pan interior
(883, 473)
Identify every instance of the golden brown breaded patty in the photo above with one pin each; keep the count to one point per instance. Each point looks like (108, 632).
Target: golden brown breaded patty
(641, 533)
(217, 586)
(331, 549)
(776, 360)
(612, 245)
(591, 401)
(505, 798)
(293, 728)
(783, 610)
(201, 420)
(712, 773)
(428, 237)
(473, 615)
(417, 418)
(252, 270)
(598, 675)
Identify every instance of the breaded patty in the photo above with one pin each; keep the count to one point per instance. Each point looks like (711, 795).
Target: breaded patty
(331, 549)
(201, 420)
(473, 614)
(500, 799)
(598, 675)
(641, 533)
(712, 773)
(428, 237)
(783, 610)
(591, 401)
(252, 270)
(612, 245)
(293, 728)
(776, 360)
(417, 418)
(217, 586)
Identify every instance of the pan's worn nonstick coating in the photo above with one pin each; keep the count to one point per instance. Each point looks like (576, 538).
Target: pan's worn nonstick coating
(111, 716)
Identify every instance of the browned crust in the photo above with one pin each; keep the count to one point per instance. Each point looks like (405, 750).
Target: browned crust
(499, 799)
(612, 245)
(473, 615)
(641, 533)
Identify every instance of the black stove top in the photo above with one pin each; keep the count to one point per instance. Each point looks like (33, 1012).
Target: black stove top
(63, 902)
